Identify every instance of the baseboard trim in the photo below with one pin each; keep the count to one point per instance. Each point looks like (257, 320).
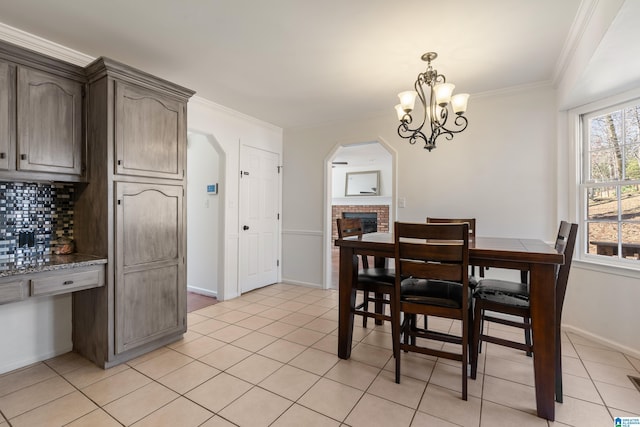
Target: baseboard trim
(18, 364)
(202, 291)
(600, 340)
(300, 283)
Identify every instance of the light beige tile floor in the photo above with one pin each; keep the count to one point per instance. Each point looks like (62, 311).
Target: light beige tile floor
(269, 358)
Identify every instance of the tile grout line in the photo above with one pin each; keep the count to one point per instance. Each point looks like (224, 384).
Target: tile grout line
(593, 383)
(380, 372)
(2, 417)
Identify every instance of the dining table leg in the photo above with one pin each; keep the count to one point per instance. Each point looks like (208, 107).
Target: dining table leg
(543, 317)
(348, 268)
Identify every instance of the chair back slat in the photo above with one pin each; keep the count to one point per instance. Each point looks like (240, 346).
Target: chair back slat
(451, 231)
(431, 251)
(440, 271)
(470, 221)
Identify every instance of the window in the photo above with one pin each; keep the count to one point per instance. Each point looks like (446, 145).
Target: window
(610, 185)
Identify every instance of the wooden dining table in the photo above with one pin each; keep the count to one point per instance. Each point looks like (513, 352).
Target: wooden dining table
(535, 256)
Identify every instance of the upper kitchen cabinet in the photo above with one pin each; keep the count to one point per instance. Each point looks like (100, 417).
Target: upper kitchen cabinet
(150, 132)
(49, 126)
(6, 121)
(41, 117)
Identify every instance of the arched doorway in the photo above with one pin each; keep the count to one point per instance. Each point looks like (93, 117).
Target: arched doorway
(345, 161)
(205, 215)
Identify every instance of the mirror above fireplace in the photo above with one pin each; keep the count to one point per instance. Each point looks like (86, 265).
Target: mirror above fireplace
(362, 183)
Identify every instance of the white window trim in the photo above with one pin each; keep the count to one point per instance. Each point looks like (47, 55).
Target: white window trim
(577, 207)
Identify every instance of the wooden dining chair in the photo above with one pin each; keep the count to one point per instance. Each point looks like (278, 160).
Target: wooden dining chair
(473, 280)
(501, 296)
(432, 278)
(378, 280)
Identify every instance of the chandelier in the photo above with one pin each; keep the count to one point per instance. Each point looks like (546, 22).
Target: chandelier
(435, 107)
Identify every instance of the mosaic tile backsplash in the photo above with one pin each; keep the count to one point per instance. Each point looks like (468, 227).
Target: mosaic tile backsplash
(32, 217)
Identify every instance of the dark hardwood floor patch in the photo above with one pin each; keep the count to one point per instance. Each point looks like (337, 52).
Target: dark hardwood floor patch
(197, 301)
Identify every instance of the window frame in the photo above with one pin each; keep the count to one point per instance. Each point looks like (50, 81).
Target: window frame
(579, 136)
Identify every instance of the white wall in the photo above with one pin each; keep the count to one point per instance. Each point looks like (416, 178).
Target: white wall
(501, 170)
(203, 216)
(338, 181)
(381, 163)
(230, 129)
(33, 330)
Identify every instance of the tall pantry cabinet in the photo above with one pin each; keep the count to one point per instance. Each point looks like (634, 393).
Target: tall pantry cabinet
(133, 211)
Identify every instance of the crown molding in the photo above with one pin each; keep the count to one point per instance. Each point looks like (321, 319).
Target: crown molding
(40, 45)
(205, 103)
(509, 90)
(577, 30)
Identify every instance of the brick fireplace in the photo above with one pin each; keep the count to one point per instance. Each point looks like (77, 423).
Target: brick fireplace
(381, 212)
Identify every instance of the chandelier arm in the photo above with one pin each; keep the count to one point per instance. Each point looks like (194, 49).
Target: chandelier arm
(419, 87)
(460, 121)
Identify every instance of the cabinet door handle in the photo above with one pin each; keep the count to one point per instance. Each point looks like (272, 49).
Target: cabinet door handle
(3, 155)
(23, 157)
(68, 282)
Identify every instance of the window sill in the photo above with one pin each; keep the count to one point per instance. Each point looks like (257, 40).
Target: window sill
(615, 269)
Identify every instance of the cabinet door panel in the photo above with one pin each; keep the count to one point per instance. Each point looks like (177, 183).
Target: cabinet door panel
(148, 303)
(49, 123)
(150, 288)
(150, 133)
(6, 117)
(151, 225)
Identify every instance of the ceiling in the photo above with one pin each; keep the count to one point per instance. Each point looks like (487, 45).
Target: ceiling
(303, 62)
(361, 155)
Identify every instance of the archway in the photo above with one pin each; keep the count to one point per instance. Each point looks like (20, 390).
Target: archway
(205, 215)
(373, 155)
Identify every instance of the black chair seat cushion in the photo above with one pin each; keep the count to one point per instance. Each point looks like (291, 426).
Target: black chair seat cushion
(504, 292)
(440, 293)
(473, 282)
(385, 275)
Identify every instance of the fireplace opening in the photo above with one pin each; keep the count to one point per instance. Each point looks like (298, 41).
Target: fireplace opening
(369, 220)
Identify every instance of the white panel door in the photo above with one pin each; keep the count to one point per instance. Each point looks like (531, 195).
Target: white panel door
(259, 201)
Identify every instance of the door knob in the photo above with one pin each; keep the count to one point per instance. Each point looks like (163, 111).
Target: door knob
(245, 227)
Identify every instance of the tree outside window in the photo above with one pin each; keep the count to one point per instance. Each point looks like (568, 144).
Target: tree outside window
(611, 182)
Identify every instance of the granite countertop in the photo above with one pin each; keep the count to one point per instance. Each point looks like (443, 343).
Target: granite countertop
(15, 266)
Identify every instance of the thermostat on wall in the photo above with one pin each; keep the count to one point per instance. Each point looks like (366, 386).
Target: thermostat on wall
(212, 188)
